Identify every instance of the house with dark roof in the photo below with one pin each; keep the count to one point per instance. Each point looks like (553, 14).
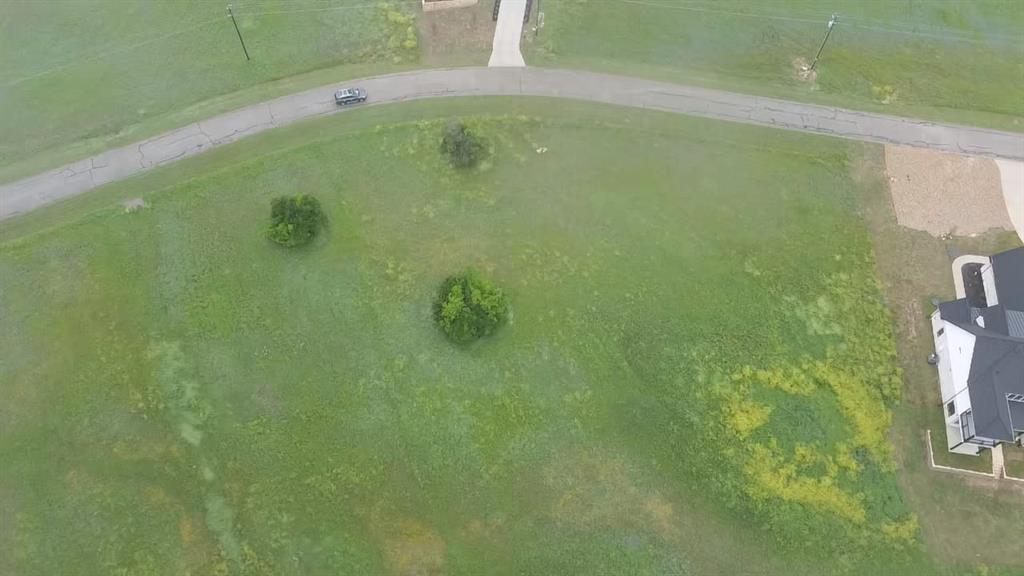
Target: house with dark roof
(979, 352)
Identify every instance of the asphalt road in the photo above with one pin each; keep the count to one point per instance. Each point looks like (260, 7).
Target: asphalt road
(120, 163)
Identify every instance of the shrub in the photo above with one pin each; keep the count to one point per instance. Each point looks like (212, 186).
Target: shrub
(294, 220)
(468, 307)
(464, 149)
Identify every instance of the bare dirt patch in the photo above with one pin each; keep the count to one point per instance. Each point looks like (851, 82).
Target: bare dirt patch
(1014, 456)
(186, 529)
(459, 35)
(993, 486)
(412, 548)
(945, 194)
(266, 397)
(600, 491)
(8, 533)
(803, 71)
(133, 204)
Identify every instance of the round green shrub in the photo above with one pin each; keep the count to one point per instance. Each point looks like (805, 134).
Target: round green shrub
(294, 220)
(469, 307)
(463, 148)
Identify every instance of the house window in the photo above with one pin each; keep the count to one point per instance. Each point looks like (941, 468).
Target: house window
(940, 332)
(967, 426)
(950, 408)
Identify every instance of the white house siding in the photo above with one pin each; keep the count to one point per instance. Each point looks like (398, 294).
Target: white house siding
(955, 349)
(954, 441)
(988, 280)
(960, 351)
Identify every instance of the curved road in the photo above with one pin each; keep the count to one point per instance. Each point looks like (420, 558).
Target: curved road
(117, 164)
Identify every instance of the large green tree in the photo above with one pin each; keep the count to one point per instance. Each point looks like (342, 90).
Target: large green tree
(468, 307)
(463, 148)
(295, 220)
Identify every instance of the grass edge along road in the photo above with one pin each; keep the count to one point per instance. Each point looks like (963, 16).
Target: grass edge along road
(84, 95)
(946, 61)
(200, 137)
(155, 125)
(627, 461)
(765, 74)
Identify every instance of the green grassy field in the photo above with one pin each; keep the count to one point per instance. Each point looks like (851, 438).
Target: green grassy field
(82, 76)
(697, 378)
(1014, 461)
(943, 60)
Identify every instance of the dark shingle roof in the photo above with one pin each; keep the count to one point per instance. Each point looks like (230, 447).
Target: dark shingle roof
(997, 366)
(997, 369)
(1002, 321)
(955, 311)
(995, 319)
(1008, 269)
(1017, 415)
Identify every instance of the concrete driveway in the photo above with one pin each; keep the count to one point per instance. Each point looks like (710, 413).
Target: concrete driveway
(1011, 173)
(31, 193)
(505, 50)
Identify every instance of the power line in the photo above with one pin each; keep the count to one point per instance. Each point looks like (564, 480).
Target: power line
(692, 8)
(169, 35)
(849, 22)
(324, 9)
(245, 5)
(112, 52)
(950, 35)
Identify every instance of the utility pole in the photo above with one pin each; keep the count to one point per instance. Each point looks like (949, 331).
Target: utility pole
(239, 32)
(832, 22)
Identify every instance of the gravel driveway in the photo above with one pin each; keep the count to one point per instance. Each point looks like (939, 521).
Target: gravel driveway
(943, 193)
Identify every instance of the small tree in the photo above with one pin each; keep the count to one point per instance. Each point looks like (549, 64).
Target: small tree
(469, 307)
(464, 149)
(294, 220)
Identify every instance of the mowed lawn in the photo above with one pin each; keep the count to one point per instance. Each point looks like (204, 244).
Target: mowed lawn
(696, 377)
(78, 77)
(946, 60)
